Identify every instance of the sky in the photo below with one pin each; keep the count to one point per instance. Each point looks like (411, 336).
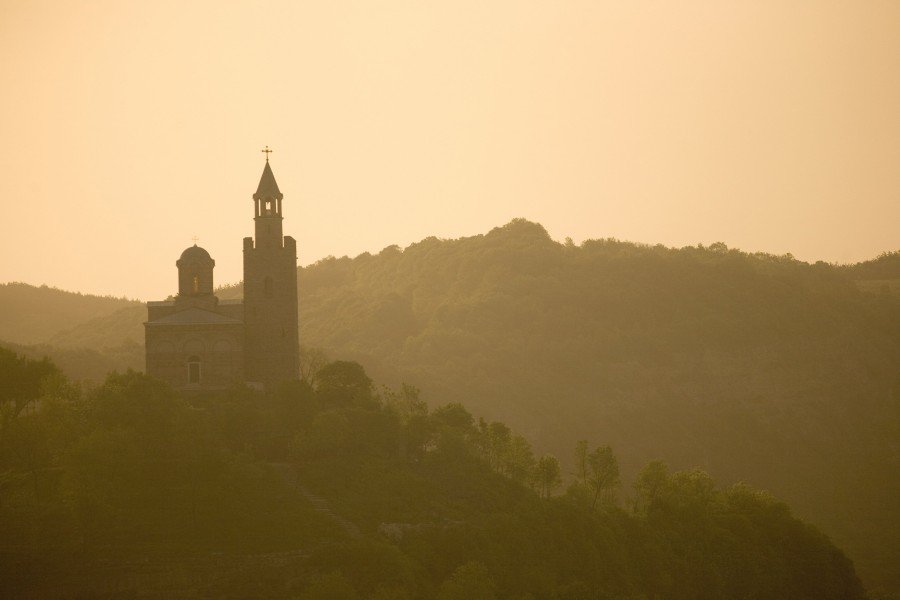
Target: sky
(129, 128)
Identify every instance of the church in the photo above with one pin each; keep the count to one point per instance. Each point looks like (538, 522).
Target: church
(198, 342)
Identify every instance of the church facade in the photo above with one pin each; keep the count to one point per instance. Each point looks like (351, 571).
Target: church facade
(199, 342)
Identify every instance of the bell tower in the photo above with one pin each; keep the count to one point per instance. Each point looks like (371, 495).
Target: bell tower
(272, 343)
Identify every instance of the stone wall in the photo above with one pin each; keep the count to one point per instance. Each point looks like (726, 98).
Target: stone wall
(220, 348)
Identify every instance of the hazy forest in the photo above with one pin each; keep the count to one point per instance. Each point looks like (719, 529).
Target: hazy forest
(499, 416)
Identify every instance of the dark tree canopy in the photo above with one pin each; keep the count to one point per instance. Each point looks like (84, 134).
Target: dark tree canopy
(342, 492)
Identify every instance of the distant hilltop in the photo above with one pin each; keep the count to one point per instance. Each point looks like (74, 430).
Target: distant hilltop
(31, 315)
(755, 367)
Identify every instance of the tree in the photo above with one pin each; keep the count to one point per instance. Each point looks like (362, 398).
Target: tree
(407, 404)
(21, 383)
(493, 441)
(343, 383)
(548, 475)
(603, 474)
(581, 462)
(312, 360)
(518, 459)
(412, 412)
(650, 485)
(454, 416)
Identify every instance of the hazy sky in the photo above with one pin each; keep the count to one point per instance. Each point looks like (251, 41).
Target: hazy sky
(129, 127)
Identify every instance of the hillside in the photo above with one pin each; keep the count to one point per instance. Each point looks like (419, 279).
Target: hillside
(883, 267)
(879, 275)
(86, 336)
(31, 315)
(335, 491)
(755, 367)
(124, 326)
(84, 364)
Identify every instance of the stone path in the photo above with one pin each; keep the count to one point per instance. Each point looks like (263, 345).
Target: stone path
(287, 472)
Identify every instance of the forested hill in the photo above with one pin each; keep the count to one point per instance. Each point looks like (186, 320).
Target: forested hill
(756, 367)
(881, 275)
(337, 490)
(884, 268)
(31, 315)
(86, 335)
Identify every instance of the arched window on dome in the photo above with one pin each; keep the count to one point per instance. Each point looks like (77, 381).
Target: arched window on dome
(194, 369)
(196, 284)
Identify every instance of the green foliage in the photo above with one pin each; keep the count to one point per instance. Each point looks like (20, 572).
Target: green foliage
(366, 565)
(22, 382)
(757, 367)
(332, 586)
(692, 514)
(470, 580)
(650, 485)
(548, 475)
(596, 476)
(86, 336)
(131, 469)
(130, 484)
(885, 266)
(454, 416)
(603, 475)
(86, 365)
(344, 383)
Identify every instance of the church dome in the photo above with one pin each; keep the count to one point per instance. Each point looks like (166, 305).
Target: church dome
(195, 272)
(195, 254)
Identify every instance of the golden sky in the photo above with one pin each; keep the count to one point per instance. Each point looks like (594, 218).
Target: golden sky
(129, 127)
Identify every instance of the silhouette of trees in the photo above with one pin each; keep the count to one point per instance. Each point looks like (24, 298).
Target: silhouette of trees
(21, 384)
(130, 473)
(548, 475)
(344, 383)
(312, 360)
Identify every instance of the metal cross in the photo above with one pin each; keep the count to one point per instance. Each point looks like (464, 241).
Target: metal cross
(196, 239)
(267, 151)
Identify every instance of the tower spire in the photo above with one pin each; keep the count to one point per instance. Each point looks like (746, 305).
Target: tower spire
(268, 188)
(271, 343)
